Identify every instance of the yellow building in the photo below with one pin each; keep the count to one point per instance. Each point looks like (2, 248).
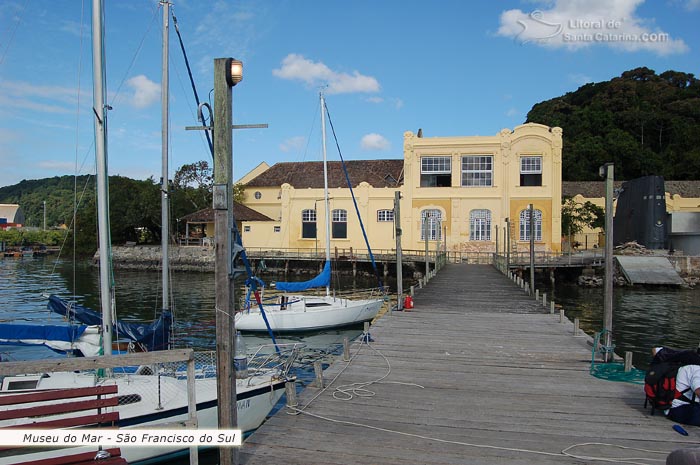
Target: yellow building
(458, 190)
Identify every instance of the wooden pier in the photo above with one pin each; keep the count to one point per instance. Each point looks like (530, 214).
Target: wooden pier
(477, 373)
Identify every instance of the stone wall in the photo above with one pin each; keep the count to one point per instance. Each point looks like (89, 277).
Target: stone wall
(149, 258)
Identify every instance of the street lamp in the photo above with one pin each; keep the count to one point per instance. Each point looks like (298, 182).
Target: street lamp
(607, 171)
(235, 74)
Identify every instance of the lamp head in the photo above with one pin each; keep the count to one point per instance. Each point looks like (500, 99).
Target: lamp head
(234, 73)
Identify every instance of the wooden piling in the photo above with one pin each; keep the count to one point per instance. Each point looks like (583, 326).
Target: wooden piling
(318, 371)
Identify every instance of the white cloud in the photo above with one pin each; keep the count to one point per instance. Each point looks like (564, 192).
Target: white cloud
(47, 99)
(375, 99)
(691, 5)
(398, 103)
(293, 144)
(146, 91)
(578, 24)
(511, 112)
(297, 68)
(374, 141)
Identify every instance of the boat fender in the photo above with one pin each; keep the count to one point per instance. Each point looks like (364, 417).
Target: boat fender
(408, 302)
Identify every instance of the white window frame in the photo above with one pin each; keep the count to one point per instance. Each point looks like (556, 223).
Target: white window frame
(434, 224)
(277, 229)
(436, 164)
(339, 216)
(531, 164)
(524, 224)
(479, 165)
(480, 225)
(385, 216)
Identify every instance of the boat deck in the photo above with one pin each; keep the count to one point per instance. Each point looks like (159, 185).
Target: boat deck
(476, 373)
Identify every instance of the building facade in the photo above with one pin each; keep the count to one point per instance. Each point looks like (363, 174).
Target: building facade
(458, 192)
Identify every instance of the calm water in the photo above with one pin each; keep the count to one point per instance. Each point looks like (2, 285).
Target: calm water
(24, 281)
(642, 317)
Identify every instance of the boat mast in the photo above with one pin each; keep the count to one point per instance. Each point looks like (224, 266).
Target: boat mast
(99, 108)
(326, 201)
(164, 193)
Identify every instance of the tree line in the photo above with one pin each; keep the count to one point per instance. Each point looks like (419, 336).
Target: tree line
(135, 205)
(644, 123)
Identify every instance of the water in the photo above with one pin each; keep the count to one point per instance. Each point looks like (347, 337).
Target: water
(643, 317)
(138, 296)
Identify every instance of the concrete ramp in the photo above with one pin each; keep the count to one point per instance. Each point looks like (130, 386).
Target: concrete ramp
(648, 270)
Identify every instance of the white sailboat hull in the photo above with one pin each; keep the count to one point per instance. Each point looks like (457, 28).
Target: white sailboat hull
(257, 396)
(307, 313)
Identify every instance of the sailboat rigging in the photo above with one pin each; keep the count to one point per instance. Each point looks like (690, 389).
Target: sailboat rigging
(298, 312)
(155, 395)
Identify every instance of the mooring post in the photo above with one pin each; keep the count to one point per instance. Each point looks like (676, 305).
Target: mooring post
(346, 349)
(628, 361)
(318, 370)
(561, 315)
(291, 391)
(551, 307)
(544, 299)
(537, 294)
(576, 323)
(412, 290)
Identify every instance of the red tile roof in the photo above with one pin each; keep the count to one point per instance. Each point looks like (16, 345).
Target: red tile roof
(240, 211)
(377, 173)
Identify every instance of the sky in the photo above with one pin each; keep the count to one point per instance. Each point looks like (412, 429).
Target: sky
(450, 67)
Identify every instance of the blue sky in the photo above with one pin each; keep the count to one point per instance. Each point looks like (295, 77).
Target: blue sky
(452, 68)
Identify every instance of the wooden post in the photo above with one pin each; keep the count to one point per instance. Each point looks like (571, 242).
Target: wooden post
(537, 294)
(551, 307)
(291, 391)
(561, 315)
(346, 349)
(224, 301)
(532, 246)
(576, 325)
(628, 362)
(544, 299)
(412, 290)
(318, 371)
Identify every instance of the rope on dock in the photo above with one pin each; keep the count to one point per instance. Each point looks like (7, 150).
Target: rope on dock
(349, 391)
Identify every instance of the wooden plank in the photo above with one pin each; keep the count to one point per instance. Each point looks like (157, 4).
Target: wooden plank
(55, 394)
(94, 363)
(111, 418)
(58, 408)
(478, 373)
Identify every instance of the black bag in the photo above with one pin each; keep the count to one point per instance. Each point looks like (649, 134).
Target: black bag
(660, 379)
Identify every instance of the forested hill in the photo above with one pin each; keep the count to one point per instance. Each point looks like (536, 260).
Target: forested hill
(647, 124)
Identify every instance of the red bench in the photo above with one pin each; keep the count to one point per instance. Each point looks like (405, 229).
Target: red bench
(76, 410)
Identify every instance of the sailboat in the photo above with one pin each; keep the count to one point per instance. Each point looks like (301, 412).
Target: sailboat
(156, 395)
(296, 312)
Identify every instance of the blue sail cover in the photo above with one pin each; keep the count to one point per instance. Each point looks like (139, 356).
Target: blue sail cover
(60, 338)
(154, 336)
(322, 280)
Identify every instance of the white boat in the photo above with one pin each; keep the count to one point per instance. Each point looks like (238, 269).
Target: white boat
(296, 312)
(146, 402)
(152, 395)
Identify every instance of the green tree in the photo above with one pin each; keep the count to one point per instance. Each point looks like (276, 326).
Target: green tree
(576, 216)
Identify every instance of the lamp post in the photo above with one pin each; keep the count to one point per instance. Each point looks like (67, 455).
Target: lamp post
(607, 171)
(227, 73)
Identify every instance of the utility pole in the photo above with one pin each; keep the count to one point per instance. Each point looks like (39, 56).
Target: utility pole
(507, 245)
(399, 264)
(227, 73)
(44, 215)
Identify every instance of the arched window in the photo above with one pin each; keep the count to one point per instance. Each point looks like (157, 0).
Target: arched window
(480, 225)
(525, 225)
(434, 219)
(340, 224)
(308, 224)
